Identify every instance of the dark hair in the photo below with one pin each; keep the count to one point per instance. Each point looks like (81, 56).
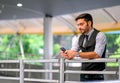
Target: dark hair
(85, 16)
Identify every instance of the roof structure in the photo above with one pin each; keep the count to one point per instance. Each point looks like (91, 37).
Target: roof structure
(27, 16)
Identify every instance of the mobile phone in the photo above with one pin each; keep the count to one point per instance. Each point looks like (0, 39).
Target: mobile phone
(63, 49)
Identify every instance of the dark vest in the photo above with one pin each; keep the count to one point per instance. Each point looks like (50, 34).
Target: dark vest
(90, 46)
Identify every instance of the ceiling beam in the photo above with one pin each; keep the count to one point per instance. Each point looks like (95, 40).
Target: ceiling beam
(67, 23)
(110, 15)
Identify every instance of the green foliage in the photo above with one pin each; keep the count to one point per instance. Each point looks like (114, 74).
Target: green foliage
(8, 46)
(117, 42)
(10, 49)
(56, 48)
(111, 45)
(114, 48)
(113, 64)
(32, 43)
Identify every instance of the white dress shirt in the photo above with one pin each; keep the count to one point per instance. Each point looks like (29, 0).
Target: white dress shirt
(100, 42)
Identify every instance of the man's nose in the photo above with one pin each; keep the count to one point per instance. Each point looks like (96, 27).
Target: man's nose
(79, 27)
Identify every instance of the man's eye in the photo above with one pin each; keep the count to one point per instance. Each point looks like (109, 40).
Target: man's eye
(80, 24)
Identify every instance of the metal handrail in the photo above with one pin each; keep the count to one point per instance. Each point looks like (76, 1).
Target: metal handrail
(91, 72)
(43, 61)
(78, 60)
(62, 70)
(9, 61)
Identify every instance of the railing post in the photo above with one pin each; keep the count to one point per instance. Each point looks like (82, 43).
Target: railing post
(119, 69)
(21, 71)
(62, 76)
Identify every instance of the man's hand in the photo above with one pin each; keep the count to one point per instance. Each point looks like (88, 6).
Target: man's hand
(68, 54)
(71, 54)
(64, 54)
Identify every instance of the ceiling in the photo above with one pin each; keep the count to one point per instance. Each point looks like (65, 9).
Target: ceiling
(28, 17)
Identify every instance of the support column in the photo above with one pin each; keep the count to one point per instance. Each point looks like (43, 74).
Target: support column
(21, 46)
(48, 43)
(21, 71)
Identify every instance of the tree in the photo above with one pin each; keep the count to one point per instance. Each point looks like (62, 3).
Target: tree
(117, 42)
(31, 43)
(113, 47)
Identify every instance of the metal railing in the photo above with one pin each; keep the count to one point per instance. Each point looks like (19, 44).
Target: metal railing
(62, 71)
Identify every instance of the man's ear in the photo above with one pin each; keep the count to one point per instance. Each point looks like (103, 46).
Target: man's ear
(89, 23)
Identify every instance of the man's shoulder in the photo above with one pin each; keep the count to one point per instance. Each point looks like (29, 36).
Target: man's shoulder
(101, 35)
(99, 32)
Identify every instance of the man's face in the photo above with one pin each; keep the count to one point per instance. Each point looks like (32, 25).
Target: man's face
(83, 26)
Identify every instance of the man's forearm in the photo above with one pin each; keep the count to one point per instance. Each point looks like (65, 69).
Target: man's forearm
(88, 55)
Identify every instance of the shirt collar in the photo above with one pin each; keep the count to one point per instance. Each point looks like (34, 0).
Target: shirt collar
(89, 34)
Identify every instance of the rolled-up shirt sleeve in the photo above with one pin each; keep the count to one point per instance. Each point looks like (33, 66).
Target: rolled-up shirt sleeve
(75, 45)
(100, 43)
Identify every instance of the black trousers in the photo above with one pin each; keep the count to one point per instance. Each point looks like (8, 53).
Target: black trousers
(91, 77)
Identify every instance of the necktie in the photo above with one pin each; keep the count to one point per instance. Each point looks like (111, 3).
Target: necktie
(86, 36)
(85, 40)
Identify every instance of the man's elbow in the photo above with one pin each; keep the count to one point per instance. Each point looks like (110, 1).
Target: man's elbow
(97, 56)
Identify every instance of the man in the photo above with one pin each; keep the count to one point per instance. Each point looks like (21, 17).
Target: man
(91, 44)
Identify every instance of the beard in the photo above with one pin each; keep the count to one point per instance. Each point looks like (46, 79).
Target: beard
(85, 31)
